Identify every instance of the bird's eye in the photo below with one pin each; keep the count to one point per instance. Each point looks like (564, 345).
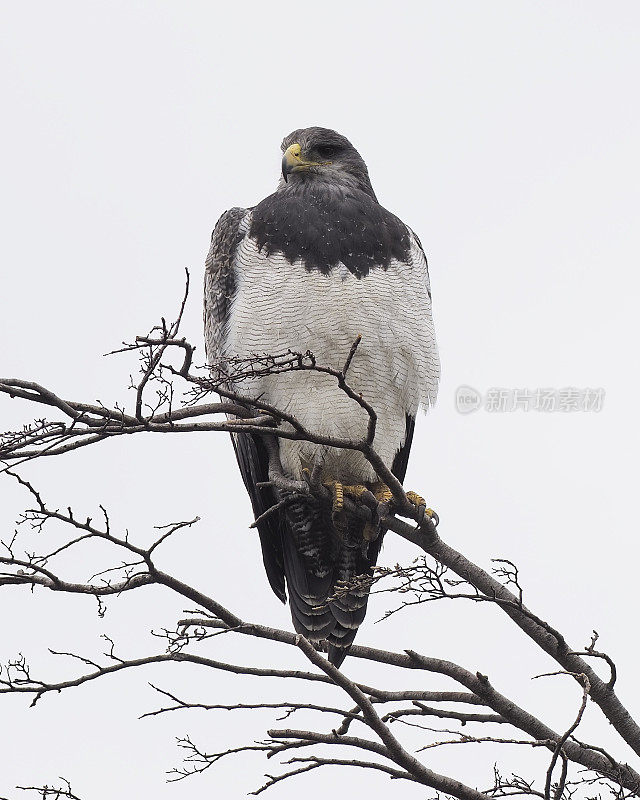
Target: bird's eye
(328, 150)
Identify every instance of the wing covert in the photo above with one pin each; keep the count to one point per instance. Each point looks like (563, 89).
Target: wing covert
(219, 279)
(219, 289)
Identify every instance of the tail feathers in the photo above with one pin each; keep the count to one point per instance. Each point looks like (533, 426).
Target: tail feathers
(349, 618)
(310, 619)
(337, 655)
(327, 599)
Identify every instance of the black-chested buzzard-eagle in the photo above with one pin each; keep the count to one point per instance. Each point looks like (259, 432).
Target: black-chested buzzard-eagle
(311, 267)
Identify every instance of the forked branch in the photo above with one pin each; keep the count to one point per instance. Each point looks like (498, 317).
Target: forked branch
(368, 721)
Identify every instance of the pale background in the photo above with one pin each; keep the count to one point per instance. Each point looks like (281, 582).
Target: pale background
(506, 134)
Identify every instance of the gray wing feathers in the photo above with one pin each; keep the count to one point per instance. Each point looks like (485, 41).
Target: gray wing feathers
(431, 376)
(219, 279)
(219, 289)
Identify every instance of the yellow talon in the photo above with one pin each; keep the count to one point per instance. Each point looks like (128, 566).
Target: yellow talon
(415, 498)
(356, 491)
(381, 492)
(337, 490)
(420, 503)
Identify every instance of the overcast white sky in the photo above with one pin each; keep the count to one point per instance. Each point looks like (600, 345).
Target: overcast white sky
(506, 134)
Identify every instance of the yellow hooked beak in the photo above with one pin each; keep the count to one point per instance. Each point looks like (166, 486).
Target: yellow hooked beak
(292, 161)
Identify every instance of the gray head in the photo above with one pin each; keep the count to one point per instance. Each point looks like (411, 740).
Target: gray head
(320, 154)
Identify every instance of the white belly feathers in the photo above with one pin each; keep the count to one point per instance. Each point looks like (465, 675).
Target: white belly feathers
(279, 306)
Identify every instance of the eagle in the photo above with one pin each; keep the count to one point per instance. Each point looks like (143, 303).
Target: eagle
(314, 267)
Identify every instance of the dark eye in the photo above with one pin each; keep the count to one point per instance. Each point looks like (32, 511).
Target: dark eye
(328, 150)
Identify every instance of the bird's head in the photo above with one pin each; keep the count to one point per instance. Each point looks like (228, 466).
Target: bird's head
(320, 154)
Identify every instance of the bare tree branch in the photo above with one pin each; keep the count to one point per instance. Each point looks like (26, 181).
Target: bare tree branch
(175, 399)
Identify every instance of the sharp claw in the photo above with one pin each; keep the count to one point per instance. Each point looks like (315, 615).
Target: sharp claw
(421, 505)
(433, 516)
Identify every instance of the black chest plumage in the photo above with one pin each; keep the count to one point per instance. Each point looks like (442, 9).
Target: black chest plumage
(324, 225)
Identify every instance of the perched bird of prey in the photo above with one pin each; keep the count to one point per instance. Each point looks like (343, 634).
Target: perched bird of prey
(313, 266)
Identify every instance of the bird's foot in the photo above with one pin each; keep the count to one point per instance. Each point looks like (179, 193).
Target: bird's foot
(341, 490)
(421, 505)
(337, 493)
(383, 494)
